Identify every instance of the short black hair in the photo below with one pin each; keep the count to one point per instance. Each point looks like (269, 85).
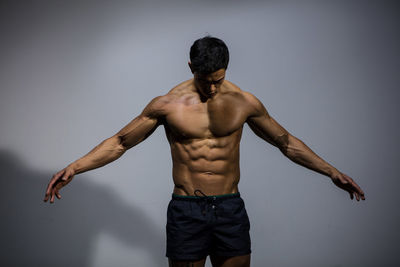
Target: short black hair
(209, 54)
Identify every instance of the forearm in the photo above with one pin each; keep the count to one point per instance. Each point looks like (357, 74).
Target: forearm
(104, 153)
(301, 154)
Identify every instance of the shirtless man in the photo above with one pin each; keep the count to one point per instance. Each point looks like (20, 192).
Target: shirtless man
(203, 120)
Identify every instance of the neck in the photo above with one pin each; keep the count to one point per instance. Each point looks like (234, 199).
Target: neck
(205, 97)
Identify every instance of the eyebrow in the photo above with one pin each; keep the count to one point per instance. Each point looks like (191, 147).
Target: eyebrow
(203, 80)
(220, 79)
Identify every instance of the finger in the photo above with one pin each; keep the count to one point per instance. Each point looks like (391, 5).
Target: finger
(351, 195)
(359, 192)
(356, 187)
(57, 176)
(357, 196)
(47, 194)
(48, 190)
(53, 195)
(361, 195)
(53, 180)
(58, 194)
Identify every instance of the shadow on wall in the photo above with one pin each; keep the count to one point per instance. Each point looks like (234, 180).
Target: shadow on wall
(34, 233)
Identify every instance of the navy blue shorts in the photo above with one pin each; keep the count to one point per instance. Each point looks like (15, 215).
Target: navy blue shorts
(207, 225)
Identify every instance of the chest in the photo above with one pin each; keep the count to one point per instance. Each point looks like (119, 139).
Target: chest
(210, 119)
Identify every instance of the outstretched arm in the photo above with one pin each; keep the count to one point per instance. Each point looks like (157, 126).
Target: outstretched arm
(268, 129)
(112, 148)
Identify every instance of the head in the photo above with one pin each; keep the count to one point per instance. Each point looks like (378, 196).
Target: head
(209, 57)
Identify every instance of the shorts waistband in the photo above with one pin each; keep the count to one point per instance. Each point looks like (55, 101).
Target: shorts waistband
(205, 197)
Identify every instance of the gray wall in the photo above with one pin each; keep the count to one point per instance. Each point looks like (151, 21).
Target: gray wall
(73, 73)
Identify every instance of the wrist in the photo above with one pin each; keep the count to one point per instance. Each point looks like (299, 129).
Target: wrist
(332, 172)
(73, 167)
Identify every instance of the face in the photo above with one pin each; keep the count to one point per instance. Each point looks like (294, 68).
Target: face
(209, 84)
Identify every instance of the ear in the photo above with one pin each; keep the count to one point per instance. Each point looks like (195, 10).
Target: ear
(191, 67)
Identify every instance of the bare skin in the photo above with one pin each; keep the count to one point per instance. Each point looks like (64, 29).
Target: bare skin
(203, 119)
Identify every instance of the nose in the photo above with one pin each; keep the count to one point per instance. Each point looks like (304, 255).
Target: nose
(213, 88)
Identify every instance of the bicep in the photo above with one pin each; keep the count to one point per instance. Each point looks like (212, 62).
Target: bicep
(142, 126)
(269, 129)
(264, 126)
(136, 131)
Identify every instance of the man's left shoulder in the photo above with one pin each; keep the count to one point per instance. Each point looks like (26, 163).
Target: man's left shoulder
(247, 97)
(232, 89)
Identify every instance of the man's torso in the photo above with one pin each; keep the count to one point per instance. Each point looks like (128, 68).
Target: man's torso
(204, 135)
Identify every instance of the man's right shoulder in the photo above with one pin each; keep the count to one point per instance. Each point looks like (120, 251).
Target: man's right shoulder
(181, 89)
(161, 104)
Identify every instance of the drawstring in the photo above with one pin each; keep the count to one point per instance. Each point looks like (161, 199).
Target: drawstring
(208, 200)
(197, 190)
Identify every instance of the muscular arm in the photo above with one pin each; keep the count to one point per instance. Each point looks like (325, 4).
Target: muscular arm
(112, 148)
(271, 131)
(268, 129)
(132, 134)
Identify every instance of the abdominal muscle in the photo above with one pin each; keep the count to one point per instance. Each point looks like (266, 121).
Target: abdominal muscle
(210, 165)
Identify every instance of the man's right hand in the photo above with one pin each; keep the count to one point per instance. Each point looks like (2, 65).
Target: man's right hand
(59, 180)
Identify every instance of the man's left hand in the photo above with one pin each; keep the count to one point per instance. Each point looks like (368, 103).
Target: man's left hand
(344, 182)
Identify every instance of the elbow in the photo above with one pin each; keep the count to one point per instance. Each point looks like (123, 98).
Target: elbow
(122, 143)
(117, 144)
(295, 149)
(288, 145)
(282, 142)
